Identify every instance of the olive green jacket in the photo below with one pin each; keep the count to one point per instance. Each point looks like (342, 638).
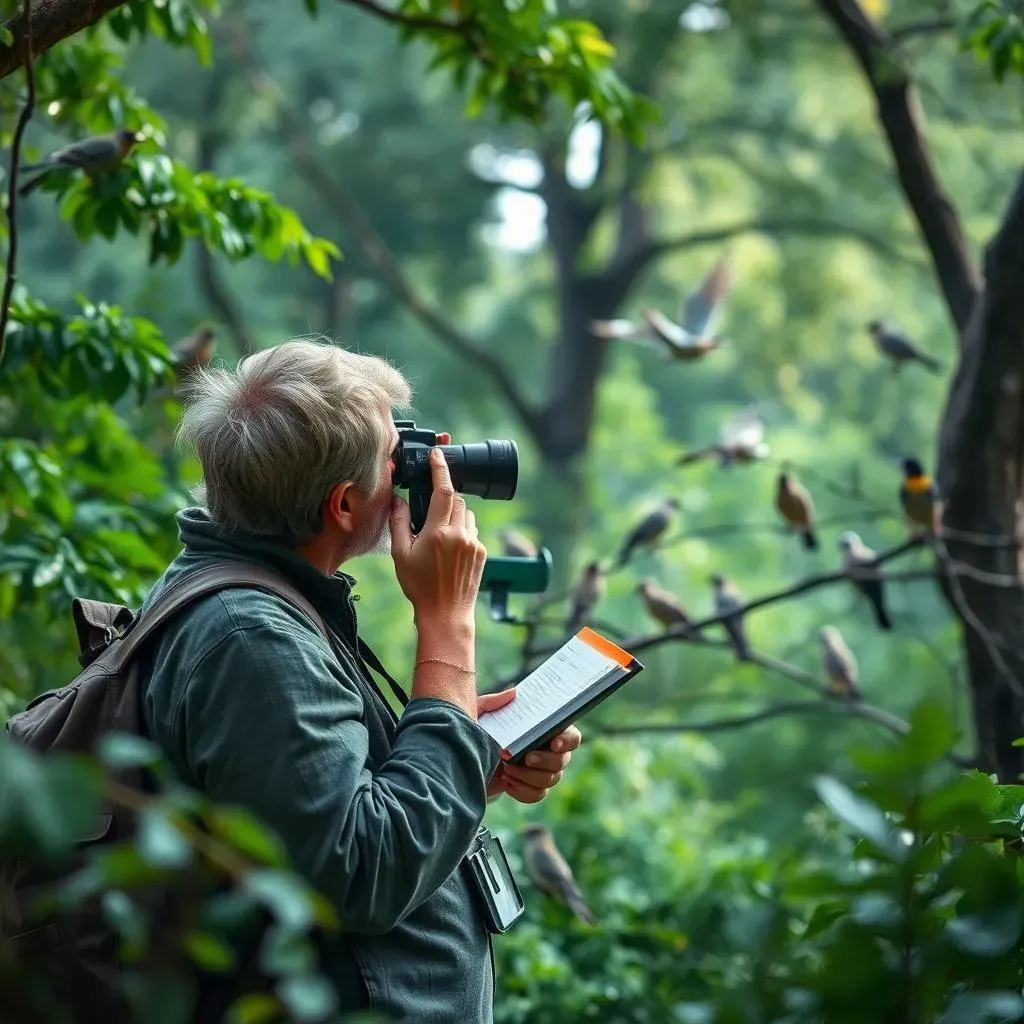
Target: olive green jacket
(250, 705)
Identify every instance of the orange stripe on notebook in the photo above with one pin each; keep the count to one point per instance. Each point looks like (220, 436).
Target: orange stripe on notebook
(606, 647)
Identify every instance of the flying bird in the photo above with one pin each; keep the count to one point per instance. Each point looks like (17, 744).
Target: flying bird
(899, 348)
(551, 874)
(589, 589)
(796, 506)
(858, 557)
(728, 599)
(650, 529)
(662, 605)
(93, 155)
(517, 545)
(919, 496)
(741, 440)
(693, 336)
(839, 663)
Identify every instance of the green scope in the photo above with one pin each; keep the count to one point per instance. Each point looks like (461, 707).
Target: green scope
(506, 575)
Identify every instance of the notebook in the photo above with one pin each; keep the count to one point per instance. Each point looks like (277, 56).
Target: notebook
(576, 678)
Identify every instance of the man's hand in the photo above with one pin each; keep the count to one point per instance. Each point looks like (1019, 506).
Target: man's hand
(529, 782)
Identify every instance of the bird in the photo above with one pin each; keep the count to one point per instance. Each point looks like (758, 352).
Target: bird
(728, 599)
(550, 872)
(191, 353)
(662, 605)
(589, 589)
(899, 348)
(650, 529)
(796, 506)
(693, 336)
(839, 663)
(94, 155)
(741, 440)
(919, 496)
(516, 544)
(857, 556)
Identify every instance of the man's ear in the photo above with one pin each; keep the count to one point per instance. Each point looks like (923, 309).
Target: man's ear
(342, 507)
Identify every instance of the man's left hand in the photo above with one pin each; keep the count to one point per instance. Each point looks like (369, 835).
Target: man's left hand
(529, 782)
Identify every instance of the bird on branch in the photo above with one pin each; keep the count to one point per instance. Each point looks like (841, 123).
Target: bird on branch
(662, 605)
(516, 544)
(728, 599)
(741, 440)
(191, 353)
(693, 336)
(796, 506)
(589, 589)
(94, 155)
(550, 871)
(858, 557)
(899, 348)
(839, 663)
(919, 497)
(650, 529)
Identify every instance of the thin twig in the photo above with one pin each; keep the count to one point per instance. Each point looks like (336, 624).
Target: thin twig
(12, 186)
(418, 21)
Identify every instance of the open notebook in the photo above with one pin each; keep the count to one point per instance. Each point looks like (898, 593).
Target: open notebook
(576, 678)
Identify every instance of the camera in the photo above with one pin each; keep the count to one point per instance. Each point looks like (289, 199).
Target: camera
(487, 469)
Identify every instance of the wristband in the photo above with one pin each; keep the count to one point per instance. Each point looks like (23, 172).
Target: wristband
(448, 664)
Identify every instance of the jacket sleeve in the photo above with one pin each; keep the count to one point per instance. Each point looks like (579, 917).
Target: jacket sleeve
(268, 723)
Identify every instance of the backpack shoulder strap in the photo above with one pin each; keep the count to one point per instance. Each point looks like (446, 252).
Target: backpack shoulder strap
(208, 580)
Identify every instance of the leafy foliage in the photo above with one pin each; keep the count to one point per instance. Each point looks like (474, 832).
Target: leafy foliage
(994, 31)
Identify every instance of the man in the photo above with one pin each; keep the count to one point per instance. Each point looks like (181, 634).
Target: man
(251, 705)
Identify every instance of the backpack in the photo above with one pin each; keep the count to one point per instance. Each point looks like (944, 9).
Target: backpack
(77, 953)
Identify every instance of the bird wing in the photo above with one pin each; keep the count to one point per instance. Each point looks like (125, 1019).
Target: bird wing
(743, 429)
(87, 152)
(619, 329)
(551, 868)
(898, 345)
(650, 527)
(702, 309)
(669, 333)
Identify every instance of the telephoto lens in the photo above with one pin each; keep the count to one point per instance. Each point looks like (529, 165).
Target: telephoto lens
(488, 469)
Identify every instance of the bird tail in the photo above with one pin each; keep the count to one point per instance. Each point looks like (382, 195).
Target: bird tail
(31, 185)
(575, 620)
(739, 640)
(579, 908)
(878, 604)
(931, 363)
(688, 458)
(810, 540)
(626, 552)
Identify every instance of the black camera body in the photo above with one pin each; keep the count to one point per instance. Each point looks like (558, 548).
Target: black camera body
(487, 469)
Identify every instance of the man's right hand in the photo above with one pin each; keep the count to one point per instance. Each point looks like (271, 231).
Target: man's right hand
(439, 569)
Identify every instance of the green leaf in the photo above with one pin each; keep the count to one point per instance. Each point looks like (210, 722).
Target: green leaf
(984, 1008)
(284, 952)
(990, 934)
(126, 750)
(159, 842)
(255, 1008)
(127, 919)
(860, 815)
(284, 895)
(246, 833)
(208, 952)
(309, 997)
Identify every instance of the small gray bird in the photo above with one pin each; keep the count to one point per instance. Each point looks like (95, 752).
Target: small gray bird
(650, 529)
(741, 440)
(551, 874)
(839, 663)
(517, 545)
(589, 589)
(856, 557)
(94, 155)
(662, 605)
(728, 599)
(899, 348)
(692, 337)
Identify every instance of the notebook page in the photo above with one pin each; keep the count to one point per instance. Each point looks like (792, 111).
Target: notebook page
(566, 675)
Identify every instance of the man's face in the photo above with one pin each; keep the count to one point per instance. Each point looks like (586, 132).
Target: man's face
(375, 533)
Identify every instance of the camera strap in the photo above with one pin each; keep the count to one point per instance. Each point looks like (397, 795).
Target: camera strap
(371, 659)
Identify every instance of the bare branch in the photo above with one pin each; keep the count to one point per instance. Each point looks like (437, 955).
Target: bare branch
(463, 27)
(12, 187)
(44, 23)
(375, 250)
(900, 115)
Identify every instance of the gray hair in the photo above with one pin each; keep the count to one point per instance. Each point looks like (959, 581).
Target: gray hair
(274, 435)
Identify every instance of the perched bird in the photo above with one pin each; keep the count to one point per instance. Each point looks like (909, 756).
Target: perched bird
(918, 496)
(549, 871)
(93, 155)
(195, 350)
(662, 605)
(650, 529)
(899, 348)
(839, 663)
(728, 599)
(693, 336)
(517, 545)
(796, 506)
(589, 589)
(741, 440)
(857, 556)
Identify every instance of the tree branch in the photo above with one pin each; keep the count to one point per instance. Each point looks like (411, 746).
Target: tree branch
(393, 17)
(900, 116)
(793, 707)
(47, 22)
(12, 175)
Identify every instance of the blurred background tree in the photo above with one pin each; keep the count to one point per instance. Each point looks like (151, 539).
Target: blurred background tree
(853, 159)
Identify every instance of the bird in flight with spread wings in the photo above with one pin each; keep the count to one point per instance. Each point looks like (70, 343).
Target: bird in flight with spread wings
(741, 440)
(691, 338)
